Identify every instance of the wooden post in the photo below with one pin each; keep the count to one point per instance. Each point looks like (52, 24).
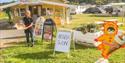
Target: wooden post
(27, 7)
(39, 10)
(54, 11)
(67, 15)
(64, 14)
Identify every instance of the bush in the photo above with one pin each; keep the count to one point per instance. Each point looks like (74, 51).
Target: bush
(87, 28)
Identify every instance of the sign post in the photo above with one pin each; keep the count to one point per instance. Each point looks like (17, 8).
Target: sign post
(63, 41)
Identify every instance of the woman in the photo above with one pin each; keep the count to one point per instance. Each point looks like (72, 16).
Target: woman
(28, 22)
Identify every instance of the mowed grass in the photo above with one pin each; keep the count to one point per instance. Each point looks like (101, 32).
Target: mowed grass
(42, 52)
(3, 16)
(77, 20)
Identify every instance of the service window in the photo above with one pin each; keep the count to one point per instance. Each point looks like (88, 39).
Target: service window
(21, 11)
(43, 11)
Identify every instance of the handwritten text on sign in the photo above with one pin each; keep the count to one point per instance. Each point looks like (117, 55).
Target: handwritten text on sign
(63, 41)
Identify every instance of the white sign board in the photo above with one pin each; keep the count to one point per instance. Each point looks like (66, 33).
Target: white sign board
(39, 26)
(63, 40)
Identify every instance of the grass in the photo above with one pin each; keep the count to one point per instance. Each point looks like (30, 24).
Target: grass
(89, 18)
(43, 52)
(3, 16)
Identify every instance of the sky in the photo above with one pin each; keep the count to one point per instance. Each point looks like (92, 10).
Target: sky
(2, 1)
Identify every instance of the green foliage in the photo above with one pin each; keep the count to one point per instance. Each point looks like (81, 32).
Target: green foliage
(98, 2)
(8, 12)
(84, 28)
(3, 15)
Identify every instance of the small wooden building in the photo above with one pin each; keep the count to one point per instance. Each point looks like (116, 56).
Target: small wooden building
(56, 9)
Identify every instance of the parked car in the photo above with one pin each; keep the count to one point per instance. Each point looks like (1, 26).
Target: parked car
(72, 11)
(80, 9)
(94, 10)
(114, 10)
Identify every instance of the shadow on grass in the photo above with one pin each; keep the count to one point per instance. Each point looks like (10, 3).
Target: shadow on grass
(81, 46)
(74, 18)
(101, 15)
(37, 42)
(38, 55)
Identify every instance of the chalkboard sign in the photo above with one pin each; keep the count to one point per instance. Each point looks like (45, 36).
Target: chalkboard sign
(48, 29)
(63, 40)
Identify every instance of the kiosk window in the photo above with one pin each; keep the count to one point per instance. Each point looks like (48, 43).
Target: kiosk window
(21, 11)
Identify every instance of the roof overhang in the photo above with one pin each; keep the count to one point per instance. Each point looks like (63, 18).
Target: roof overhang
(34, 3)
(55, 3)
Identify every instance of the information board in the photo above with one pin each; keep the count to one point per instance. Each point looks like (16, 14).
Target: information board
(63, 40)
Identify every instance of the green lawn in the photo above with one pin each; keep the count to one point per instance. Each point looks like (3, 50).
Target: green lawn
(3, 15)
(43, 52)
(89, 18)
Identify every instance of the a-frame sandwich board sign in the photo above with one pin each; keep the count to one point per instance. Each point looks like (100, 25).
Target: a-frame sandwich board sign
(63, 41)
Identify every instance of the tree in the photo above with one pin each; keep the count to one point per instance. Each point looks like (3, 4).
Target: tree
(8, 12)
(73, 1)
(99, 2)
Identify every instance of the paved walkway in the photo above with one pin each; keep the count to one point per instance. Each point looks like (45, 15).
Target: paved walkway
(4, 25)
(11, 36)
(9, 42)
(11, 33)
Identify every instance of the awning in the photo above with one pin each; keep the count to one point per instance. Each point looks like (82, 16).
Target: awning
(34, 3)
(31, 3)
(45, 2)
(55, 3)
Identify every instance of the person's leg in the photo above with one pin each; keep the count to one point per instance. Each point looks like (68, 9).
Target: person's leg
(32, 37)
(27, 37)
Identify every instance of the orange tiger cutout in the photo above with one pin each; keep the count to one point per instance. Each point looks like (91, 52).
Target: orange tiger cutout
(110, 40)
(107, 39)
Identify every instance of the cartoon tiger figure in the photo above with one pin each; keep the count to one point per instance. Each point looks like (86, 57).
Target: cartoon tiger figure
(109, 41)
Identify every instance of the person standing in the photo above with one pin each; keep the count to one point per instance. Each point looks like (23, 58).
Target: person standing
(28, 22)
